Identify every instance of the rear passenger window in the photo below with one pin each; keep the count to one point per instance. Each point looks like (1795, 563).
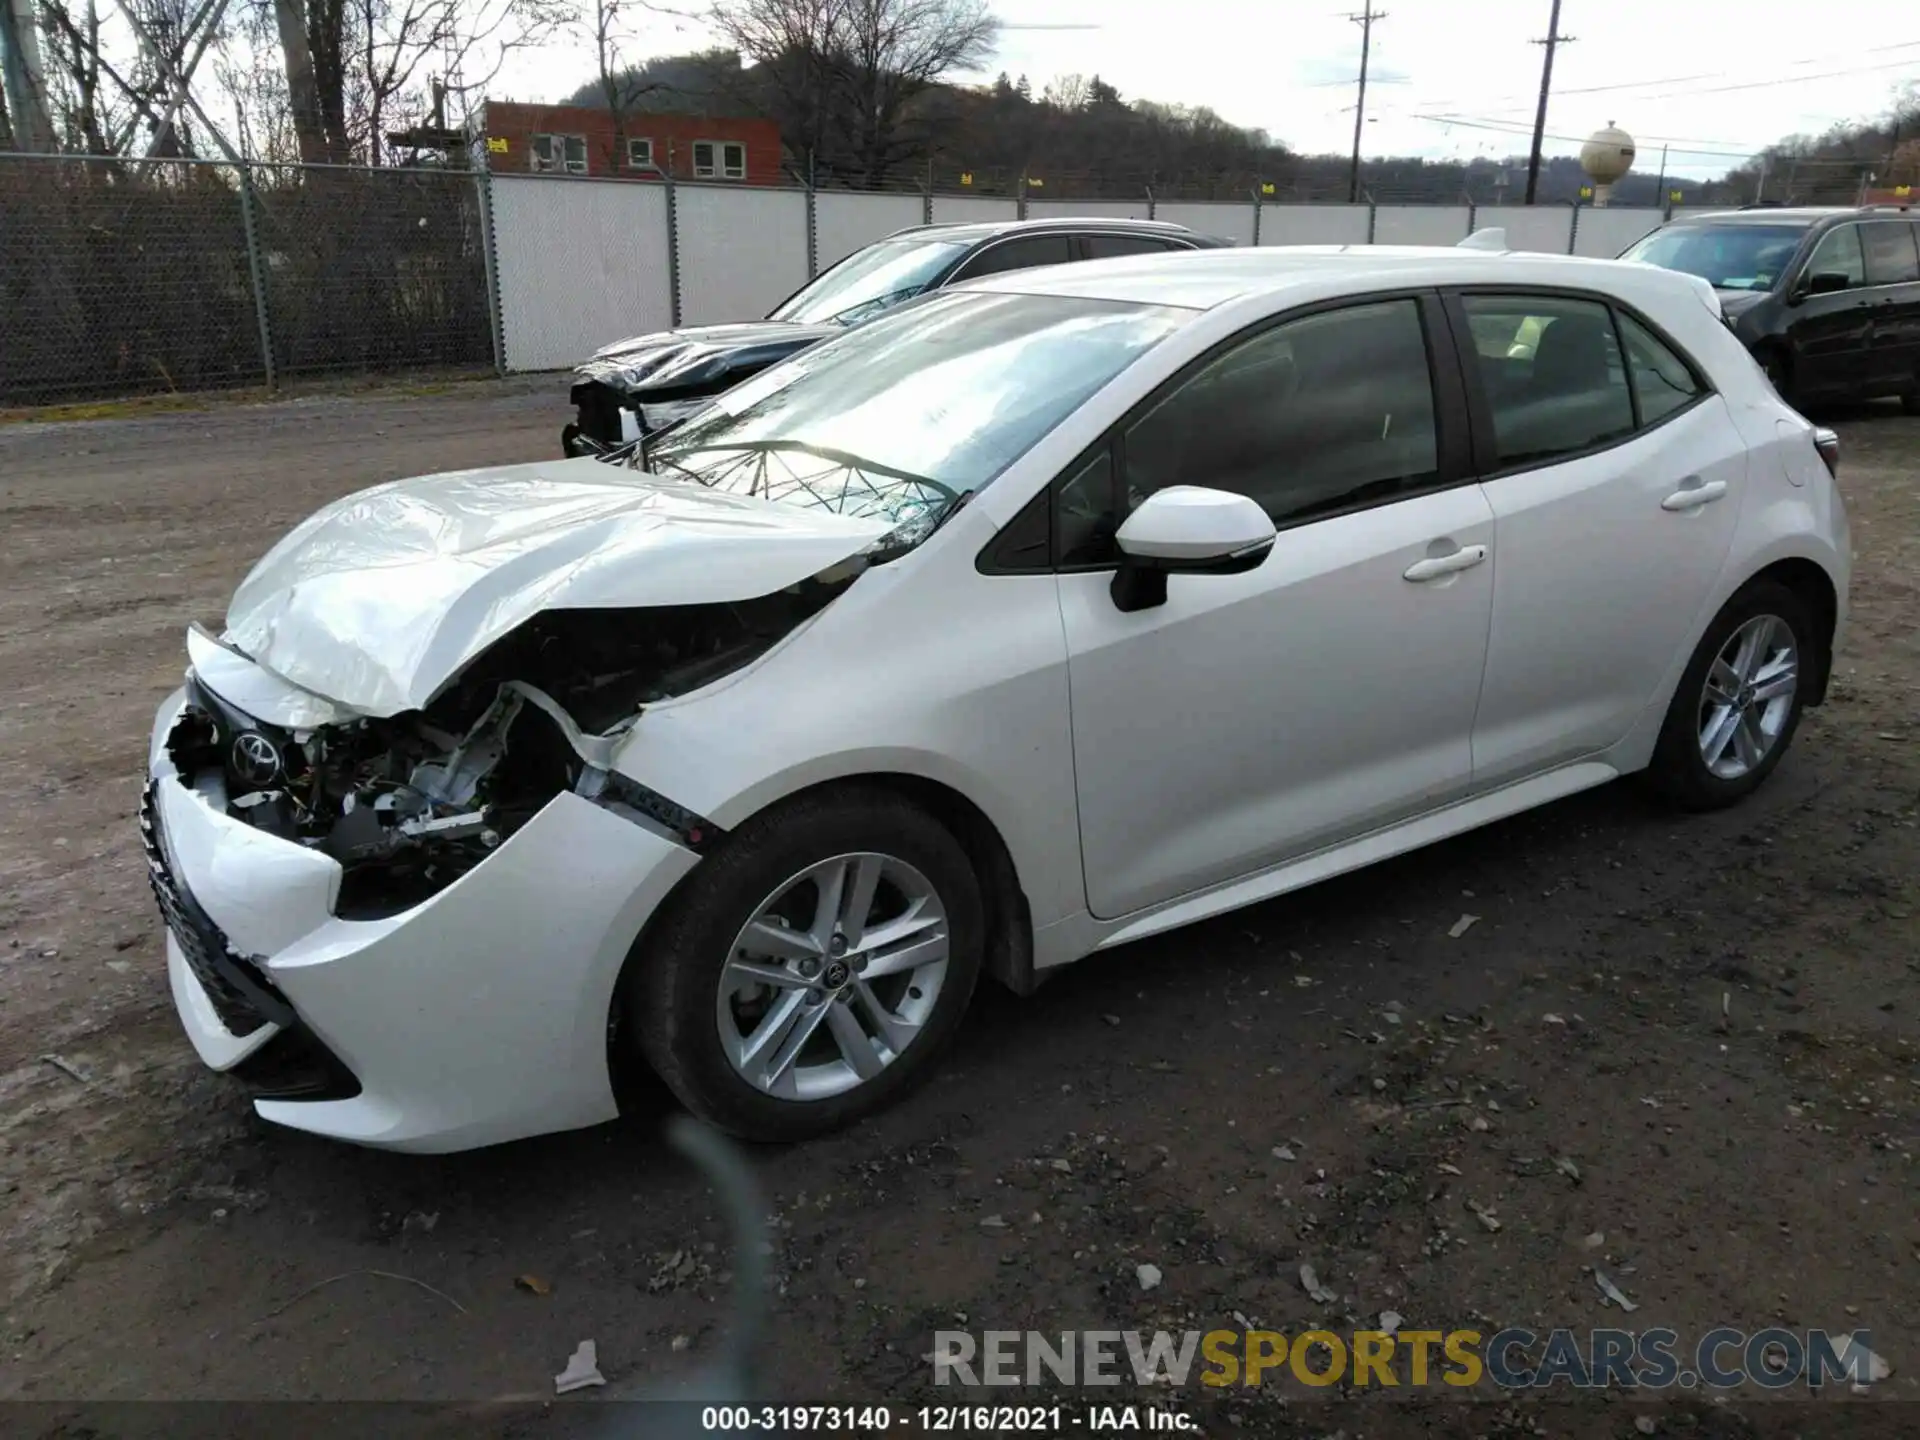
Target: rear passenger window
(1021, 254)
(1891, 258)
(1553, 375)
(1662, 383)
(1103, 247)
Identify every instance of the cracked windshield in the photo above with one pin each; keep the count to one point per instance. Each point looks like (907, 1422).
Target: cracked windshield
(903, 418)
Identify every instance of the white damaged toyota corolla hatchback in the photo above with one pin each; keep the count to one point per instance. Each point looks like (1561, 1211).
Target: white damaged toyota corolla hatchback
(1045, 614)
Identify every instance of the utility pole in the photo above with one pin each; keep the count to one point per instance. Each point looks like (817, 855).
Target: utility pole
(1365, 22)
(1554, 38)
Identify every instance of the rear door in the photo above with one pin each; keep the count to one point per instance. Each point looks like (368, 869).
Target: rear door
(1022, 252)
(1829, 338)
(1104, 246)
(1615, 476)
(1893, 273)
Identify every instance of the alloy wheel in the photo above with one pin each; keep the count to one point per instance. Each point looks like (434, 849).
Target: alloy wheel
(833, 976)
(1748, 697)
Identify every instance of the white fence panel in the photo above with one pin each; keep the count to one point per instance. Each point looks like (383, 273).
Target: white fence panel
(1313, 225)
(1072, 209)
(579, 263)
(1605, 231)
(741, 251)
(1420, 224)
(1217, 217)
(845, 220)
(1530, 227)
(959, 209)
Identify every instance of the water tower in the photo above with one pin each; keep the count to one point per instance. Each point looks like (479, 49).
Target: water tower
(1606, 157)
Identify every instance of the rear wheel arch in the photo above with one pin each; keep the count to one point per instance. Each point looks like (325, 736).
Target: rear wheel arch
(1815, 588)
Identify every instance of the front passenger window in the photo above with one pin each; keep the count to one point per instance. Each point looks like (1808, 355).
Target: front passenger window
(1559, 387)
(1310, 417)
(1839, 254)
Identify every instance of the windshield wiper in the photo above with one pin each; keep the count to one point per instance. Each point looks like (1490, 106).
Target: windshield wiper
(892, 297)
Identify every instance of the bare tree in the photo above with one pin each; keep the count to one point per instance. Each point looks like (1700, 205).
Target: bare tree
(313, 47)
(21, 80)
(622, 85)
(843, 75)
(1066, 92)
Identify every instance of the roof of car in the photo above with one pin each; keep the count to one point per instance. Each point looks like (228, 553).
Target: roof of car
(1200, 280)
(970, 231)
(1772, 214)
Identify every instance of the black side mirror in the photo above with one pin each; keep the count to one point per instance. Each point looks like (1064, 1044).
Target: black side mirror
(1825, 282)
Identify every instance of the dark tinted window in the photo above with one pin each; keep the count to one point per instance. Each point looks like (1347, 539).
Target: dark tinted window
(1018, 255)
(1891, 258)
(1661, 380)
(1103, 247)
(1320, 413)
(1552, 372)
(1086, 522)
(1838, 253)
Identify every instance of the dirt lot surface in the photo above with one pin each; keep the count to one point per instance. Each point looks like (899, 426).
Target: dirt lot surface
(1680, 1050)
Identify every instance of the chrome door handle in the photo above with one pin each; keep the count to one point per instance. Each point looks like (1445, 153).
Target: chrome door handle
(1465, 558)
(1692, 497)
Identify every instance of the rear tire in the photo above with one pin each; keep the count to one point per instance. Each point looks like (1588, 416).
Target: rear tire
(1720, 741)
(735, 955)
(1910, 402)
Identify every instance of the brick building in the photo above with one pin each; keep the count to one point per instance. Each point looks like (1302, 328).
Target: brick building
(580, 140)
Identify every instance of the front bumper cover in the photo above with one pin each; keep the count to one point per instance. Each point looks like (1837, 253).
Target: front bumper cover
(476, 1017)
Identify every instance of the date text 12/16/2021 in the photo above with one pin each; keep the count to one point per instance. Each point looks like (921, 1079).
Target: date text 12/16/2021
(947, 1419)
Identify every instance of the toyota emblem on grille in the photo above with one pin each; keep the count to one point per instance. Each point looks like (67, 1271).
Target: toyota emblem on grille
(255, 760)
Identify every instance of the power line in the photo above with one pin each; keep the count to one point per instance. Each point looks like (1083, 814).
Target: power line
(1552, 42)
(1515, 127)
(1716, 74)
(1365, 22)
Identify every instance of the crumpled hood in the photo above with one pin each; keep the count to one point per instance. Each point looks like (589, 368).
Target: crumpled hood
(378, 600)
(701, 357)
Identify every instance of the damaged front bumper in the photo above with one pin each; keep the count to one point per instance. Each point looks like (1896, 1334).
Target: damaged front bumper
(478, 1015)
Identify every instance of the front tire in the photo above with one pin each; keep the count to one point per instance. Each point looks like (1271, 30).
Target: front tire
(1740, 700)
(814, 966)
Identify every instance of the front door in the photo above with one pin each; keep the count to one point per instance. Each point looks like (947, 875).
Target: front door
(1256, 717)
(1829, 338)
(1615, 477)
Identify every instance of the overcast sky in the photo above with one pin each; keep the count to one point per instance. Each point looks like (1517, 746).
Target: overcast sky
(1715, 80)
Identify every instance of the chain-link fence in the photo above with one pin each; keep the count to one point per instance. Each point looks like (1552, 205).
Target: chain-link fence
(120, 277)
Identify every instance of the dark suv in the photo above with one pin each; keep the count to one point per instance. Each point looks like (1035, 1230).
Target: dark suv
(1828, 300)
(633, 386)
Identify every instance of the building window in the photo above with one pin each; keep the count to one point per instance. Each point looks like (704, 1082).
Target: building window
(560, 152)
(722, 159)
(639, 154)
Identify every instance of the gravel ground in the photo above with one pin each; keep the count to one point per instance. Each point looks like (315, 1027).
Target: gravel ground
(1681, 1050)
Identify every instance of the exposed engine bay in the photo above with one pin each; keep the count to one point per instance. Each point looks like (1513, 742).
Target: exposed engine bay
(409, 804)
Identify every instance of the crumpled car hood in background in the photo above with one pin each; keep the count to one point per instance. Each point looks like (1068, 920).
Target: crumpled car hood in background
(700, 356)
(379, 599)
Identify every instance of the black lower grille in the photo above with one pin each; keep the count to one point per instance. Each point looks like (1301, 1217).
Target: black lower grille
(242, 996)
(599, 413)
